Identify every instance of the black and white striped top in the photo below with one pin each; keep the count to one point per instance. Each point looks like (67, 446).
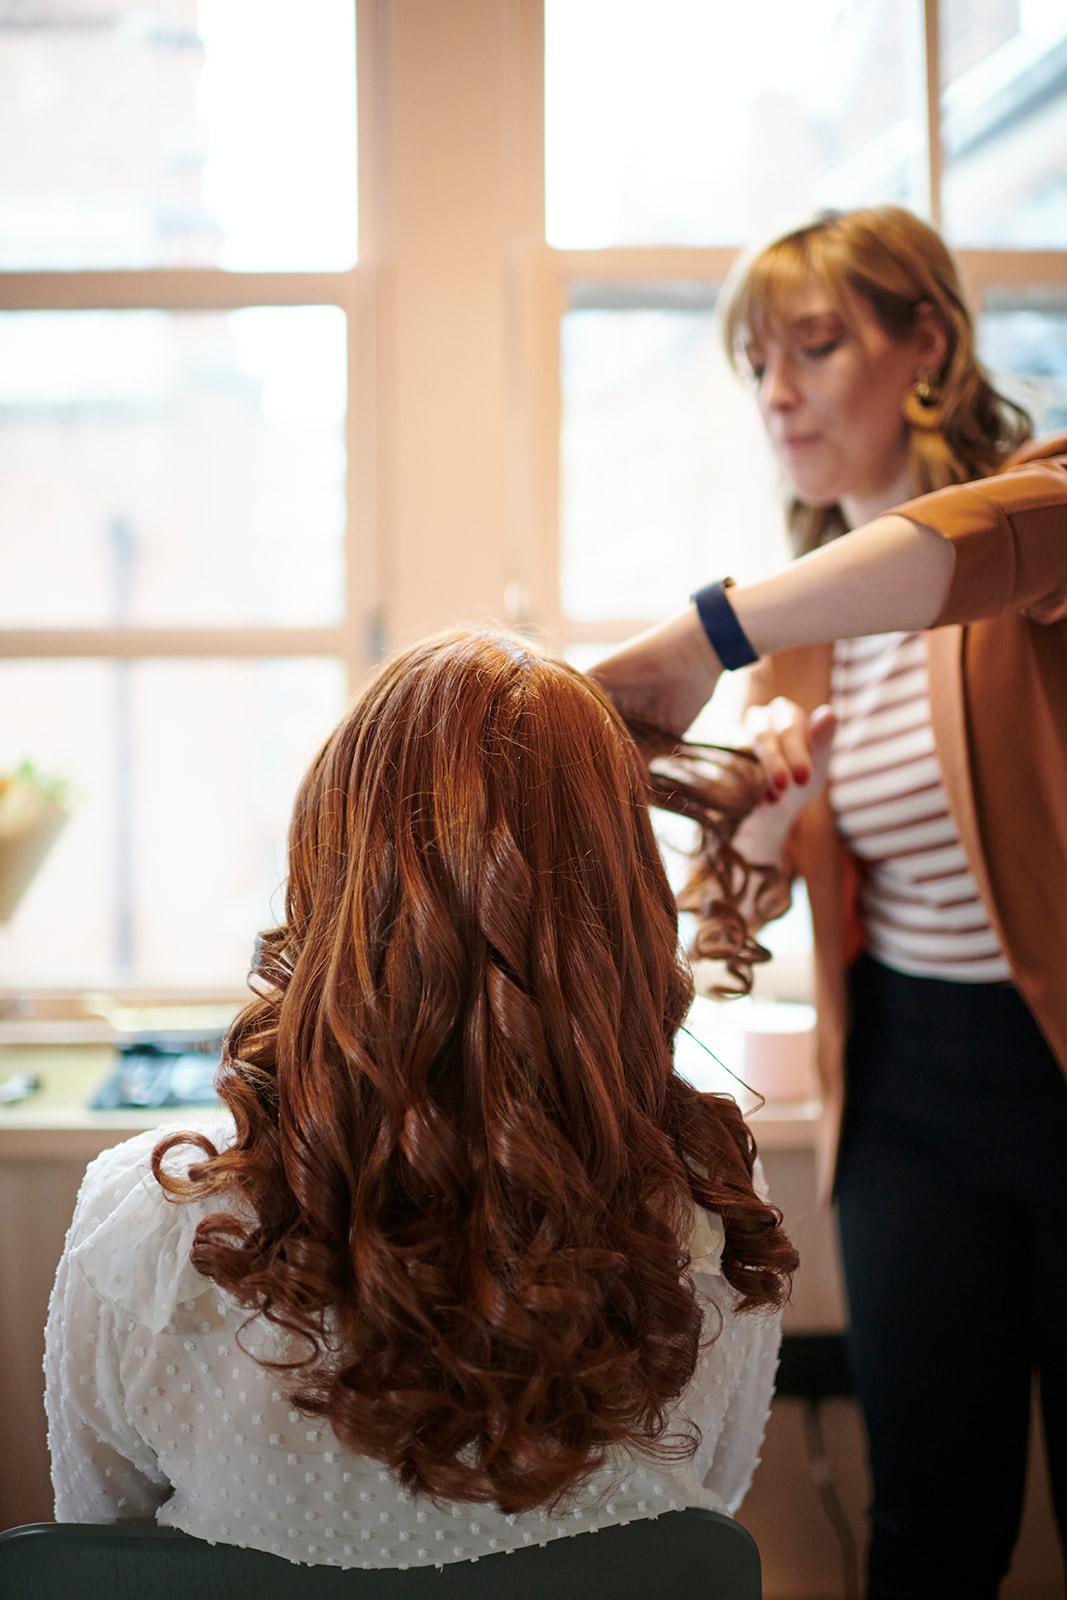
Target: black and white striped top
(919, 901)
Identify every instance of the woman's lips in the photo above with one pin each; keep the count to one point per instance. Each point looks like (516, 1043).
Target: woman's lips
(799, 441)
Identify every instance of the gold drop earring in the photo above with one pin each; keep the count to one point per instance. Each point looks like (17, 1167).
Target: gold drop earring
(922, 403)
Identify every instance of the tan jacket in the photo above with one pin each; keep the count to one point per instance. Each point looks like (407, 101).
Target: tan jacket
(998, 702)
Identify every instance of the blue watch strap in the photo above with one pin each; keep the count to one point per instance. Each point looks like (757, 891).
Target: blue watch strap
(725, 634)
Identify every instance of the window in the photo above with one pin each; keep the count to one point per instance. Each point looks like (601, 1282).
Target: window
(177, 133)
(701, 125)
(185, 594)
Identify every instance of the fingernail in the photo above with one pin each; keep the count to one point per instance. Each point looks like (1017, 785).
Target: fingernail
(772, 796)
(781, 780)
(801, 774)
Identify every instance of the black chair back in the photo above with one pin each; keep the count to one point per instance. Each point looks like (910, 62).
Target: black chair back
(682, 1555)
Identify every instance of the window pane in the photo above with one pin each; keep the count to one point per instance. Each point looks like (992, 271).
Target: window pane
(666, 479)
(1004, 116)
(183, 776)
(1023, 341)
(177, 133)
(169, 469)
(690, 123)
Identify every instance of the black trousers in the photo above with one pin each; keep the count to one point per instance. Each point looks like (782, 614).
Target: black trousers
(952, 1203)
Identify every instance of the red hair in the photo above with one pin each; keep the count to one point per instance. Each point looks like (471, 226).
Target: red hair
(465, 1167)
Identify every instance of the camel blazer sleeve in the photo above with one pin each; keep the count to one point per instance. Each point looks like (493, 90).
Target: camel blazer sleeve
(1009, 535)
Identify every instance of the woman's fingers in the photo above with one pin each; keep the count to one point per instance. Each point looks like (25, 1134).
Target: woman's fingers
(791, 725)
(763, 833)
(793, 747)
(779, 734)
(821, 725)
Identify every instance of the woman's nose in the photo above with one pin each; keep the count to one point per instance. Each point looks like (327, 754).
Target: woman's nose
(778, 390)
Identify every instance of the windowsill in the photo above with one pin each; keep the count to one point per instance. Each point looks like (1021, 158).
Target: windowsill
(74, 1018)
(90, 1005)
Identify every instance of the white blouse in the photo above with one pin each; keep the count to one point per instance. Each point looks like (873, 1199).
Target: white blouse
(155, 1410)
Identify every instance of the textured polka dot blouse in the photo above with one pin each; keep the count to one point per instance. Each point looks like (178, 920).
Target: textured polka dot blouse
(155, 1410)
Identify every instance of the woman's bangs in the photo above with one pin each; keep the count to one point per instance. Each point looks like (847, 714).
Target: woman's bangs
(761, 304)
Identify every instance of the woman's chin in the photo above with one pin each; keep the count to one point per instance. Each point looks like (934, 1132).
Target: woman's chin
(814, 483)
(814, 494)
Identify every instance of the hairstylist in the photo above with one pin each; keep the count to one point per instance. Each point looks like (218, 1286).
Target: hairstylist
(935, 858)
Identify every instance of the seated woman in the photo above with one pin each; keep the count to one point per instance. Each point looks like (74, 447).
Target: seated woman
(466, 1267)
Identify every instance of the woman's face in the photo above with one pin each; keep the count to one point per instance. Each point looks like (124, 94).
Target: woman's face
(830, 389)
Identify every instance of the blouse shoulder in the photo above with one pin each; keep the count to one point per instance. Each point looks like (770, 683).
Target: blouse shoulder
(705, 1242)
(707, 1236)
(129, 1241)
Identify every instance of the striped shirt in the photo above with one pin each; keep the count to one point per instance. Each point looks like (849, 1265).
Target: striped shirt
(919, 902)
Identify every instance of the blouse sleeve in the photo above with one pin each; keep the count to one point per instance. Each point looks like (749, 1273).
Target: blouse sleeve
(1009, 535)
(740, 1440)
(754, 1338)
(102, 1471)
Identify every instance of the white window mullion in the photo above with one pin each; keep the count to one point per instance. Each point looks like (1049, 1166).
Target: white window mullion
(1008, 269)
(172, 289)
(932, 64)
(162, 643)
(634, 263)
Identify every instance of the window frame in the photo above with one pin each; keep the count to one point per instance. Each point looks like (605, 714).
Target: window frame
(354, 639)
(552, 275)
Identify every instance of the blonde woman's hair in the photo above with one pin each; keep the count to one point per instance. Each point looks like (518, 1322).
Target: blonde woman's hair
(898, 264)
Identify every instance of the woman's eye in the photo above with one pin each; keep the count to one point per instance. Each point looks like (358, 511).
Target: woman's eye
(756, 369)
(816, 352)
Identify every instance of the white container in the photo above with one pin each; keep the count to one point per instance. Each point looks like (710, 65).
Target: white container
(765, 1047)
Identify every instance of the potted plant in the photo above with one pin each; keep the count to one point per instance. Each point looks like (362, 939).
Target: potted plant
(33, 810)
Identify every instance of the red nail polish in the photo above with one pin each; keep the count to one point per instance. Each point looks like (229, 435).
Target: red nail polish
(801, 774)
(780, 779)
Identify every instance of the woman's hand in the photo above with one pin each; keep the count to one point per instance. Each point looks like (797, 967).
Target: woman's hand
(786, 740)
(794, 750)
(761, 838)
(664, 676)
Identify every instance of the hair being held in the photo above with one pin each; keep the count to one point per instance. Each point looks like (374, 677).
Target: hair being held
(464, 1170)
(716, 787)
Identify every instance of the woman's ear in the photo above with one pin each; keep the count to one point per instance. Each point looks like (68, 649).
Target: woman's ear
(930, 338)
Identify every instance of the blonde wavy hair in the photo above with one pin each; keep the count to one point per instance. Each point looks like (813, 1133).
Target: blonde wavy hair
(897, 264)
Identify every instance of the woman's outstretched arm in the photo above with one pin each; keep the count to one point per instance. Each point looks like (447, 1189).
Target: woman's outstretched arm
(959, 554)
(892, 573)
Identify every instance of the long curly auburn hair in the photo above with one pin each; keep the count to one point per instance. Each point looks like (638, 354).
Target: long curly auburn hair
(464, 1171)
